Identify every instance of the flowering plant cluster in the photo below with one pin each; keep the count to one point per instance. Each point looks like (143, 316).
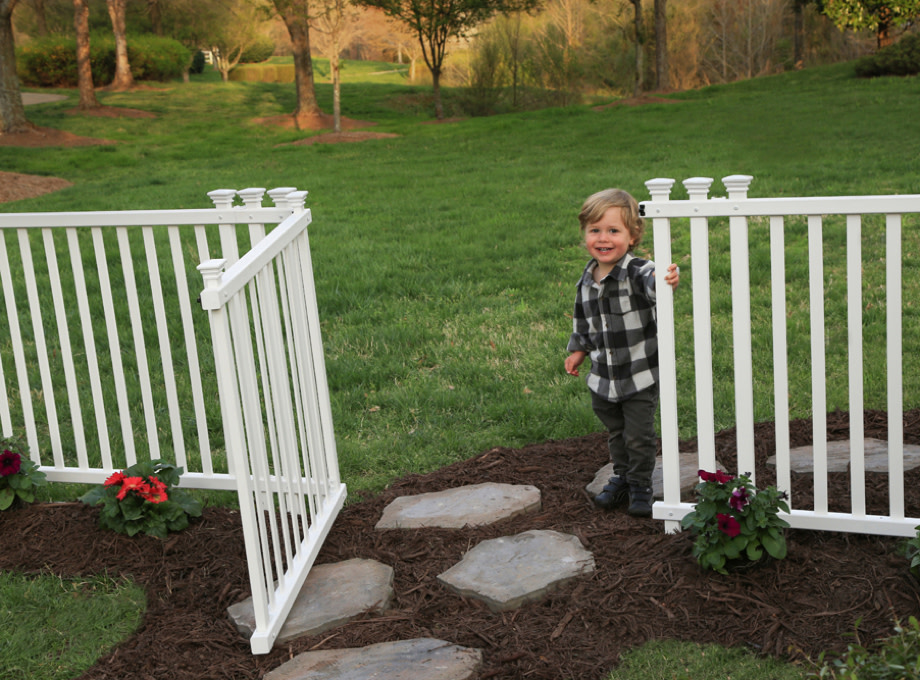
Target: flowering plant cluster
(140, 499)
(733, 520)
(19, 476)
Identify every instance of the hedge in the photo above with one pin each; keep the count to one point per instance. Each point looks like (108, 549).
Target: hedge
(900, 59)
(52, 61)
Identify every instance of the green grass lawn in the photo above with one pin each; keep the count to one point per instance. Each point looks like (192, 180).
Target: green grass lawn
(446, 258)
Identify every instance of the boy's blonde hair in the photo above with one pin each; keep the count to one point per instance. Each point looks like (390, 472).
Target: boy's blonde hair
(597, 204)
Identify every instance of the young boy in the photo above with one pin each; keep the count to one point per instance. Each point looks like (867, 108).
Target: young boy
(615, 322)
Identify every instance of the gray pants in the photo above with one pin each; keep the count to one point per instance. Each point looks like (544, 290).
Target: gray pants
(631, 438)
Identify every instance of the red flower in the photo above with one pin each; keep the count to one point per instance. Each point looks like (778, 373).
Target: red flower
(115, 478)
(9, 463)
(718, 476)
(728, 525)
(132, 484)
(155, 492)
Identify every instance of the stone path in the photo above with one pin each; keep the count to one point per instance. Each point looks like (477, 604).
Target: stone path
(503, 573)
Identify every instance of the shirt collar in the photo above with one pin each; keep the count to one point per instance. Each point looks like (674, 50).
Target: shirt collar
(618, 273)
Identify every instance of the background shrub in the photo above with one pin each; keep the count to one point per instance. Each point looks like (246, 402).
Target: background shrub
(263, 73)
(198, 63)
(52, 61)
(900, 59)
(260, 51)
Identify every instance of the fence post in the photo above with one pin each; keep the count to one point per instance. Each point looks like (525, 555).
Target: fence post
(698, 190)
(737, 187)
(660, 191)
(279, 196)
(223, 200)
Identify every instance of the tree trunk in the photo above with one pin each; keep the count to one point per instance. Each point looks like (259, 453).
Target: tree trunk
(296, 18)
(84, 68)
(662, 71)
(336, 85)
(12, 112)
(436, 86)
(123, 78)
(40, 18)
(156, 16)
(637, 86)
(882, 33)
(798, 31)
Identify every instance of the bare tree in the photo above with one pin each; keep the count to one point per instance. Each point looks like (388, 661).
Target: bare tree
(84, 68)
(12, 112)
(662, 75)
(123, 78)
(337, 25)
(640, 40)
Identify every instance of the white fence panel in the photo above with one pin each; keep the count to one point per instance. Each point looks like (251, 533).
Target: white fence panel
(110, 363)
(102, 360)
(697, 212)
(277, 415)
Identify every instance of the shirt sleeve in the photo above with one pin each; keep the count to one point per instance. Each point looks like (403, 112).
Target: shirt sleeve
(642, 272)
(578, 341)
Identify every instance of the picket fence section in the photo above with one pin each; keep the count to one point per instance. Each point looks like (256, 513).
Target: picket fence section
(699, 213)
(108, 359)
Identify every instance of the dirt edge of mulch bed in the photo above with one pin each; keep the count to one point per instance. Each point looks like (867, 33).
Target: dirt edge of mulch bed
(646, 585)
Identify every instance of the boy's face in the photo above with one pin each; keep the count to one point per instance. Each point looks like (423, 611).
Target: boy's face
(608, 239)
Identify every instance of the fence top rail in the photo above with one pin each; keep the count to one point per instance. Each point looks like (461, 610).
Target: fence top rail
(218, 293)
(780, 207)
(145, 218)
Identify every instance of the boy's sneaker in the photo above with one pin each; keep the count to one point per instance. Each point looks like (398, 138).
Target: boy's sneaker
(640, 500)
(614, 493)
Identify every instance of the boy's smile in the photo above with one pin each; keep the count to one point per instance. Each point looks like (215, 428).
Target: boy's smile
(608, 239)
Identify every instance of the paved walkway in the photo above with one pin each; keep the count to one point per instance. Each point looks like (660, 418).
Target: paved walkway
(40, 98)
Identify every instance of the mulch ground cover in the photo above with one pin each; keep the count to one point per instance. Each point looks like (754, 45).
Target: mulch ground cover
(646, 585)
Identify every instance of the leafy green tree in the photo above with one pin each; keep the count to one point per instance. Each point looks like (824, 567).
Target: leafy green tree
(437, 22)
(875, 15)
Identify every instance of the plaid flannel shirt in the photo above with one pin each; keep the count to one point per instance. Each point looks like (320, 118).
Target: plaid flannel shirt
(615, 322)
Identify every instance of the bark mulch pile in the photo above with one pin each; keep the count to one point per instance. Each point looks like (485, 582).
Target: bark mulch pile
(646, 586)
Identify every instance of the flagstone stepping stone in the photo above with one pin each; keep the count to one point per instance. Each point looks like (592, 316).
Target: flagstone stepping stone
(838, 457)
(418, 659)
(471, 505)
(689, 475)
(507, 572)
(331, 595)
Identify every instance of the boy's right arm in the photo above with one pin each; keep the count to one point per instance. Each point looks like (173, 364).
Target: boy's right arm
(573, 361)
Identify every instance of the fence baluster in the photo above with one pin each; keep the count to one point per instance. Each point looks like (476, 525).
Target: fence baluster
(893, 265)
(780, 354)
(41, 348)
(76, 414)
(855, 361)
(818, 364)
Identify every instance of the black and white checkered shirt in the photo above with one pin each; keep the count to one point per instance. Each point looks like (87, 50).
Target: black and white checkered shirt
(615, 322)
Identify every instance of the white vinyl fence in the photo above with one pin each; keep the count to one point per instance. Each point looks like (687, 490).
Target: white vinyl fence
(823, 221)
(107, 358)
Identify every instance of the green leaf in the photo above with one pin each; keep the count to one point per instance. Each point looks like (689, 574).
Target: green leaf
(775, 547)
(7, 495)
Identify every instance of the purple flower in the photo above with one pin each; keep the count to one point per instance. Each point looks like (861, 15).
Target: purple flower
(728, 525)
(739, 498)
(9, 463)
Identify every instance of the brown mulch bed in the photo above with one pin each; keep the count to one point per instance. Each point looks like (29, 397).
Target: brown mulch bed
(646, 586)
